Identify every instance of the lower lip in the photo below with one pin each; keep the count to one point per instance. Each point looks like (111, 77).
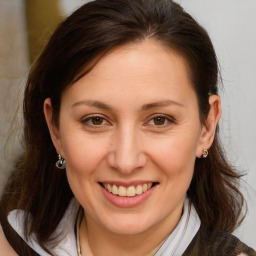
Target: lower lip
(125, 201)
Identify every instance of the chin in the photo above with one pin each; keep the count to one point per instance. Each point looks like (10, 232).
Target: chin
(128, 230)
(128, 226)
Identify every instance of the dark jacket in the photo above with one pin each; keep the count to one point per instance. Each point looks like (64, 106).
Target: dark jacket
(217, 243)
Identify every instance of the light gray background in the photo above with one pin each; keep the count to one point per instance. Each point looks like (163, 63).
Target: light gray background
(232, 27)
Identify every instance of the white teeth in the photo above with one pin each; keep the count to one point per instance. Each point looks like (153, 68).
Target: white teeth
(130, 191)
(114, 190)
(145, 188)
(138, 190)
(109, 188)
(122, 191)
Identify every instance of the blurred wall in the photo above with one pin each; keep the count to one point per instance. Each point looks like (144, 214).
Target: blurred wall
(25, 26)
(42, 17)
(13, 70)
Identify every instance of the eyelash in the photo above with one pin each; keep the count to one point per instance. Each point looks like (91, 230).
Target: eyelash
(167, 121)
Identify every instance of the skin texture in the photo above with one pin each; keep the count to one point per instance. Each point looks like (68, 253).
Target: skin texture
(6, 249)
(130, 145)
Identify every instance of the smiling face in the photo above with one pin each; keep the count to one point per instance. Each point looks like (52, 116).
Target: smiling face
(130, 133)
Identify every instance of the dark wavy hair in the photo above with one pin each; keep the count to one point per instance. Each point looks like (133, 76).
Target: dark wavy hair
(36, 186)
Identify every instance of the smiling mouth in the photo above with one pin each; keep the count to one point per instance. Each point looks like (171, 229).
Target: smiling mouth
(130, 191)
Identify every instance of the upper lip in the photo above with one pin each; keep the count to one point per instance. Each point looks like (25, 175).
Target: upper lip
(127, 184)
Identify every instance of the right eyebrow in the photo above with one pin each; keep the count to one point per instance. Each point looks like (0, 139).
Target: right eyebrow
(92, 103)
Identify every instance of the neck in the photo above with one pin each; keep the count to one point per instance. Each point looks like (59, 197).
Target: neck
(96, 241)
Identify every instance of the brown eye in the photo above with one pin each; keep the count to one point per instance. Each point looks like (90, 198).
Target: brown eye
(97, 120)
(160, 120)
(95, 123)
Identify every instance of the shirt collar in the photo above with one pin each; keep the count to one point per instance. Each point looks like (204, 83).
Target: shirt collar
(180, 238)
(64, 231)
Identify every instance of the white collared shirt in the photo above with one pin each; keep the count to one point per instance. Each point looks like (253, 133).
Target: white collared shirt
(175, 244)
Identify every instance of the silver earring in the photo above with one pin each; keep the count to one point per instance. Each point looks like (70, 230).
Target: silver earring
(61, 163)
(205, 153)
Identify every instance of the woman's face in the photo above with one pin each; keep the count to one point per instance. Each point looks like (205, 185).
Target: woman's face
(130, 133)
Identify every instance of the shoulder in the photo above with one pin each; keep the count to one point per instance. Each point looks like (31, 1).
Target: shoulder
(217, 243)
(6, 249)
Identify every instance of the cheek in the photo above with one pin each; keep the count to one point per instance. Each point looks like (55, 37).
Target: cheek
(83, 153)
(175, 155)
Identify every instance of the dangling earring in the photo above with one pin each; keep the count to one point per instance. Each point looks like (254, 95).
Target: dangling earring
(61, 163)
(205, 153)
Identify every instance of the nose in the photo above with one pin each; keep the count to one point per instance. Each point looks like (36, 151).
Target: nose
(126, 154)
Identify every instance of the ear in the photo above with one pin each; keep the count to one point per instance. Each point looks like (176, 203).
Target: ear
(209, 127)
(53, 129)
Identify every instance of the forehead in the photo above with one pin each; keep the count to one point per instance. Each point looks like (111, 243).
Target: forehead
(131, 68)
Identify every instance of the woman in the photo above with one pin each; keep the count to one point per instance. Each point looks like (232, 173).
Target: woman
(122, 152)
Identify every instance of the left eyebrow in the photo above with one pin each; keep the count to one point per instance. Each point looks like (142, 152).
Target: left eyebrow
(163, 103)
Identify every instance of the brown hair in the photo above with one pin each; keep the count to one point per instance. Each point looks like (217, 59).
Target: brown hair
(36, 186)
